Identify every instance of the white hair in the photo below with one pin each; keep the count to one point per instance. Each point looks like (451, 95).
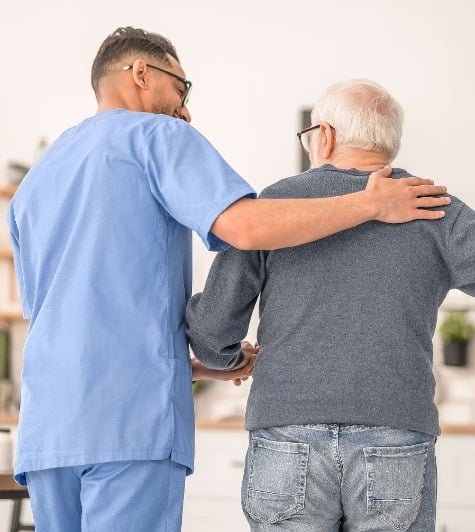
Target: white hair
(364, 115)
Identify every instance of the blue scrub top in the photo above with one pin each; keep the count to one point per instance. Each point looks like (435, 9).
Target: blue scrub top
(101, 236)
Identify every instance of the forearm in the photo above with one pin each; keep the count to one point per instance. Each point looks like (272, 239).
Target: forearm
(218, 319)
(277, 223)
(202, 373)
(214, 344)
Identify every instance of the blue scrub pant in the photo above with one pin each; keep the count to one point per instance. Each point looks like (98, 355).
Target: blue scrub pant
(136, 496)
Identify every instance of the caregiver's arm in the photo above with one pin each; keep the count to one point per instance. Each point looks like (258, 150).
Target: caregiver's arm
(274, 223)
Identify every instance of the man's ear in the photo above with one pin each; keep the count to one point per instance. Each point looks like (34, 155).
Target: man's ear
(140, 73)
(327, 140)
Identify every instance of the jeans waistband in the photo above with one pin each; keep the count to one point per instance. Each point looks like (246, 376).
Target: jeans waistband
(342, 427)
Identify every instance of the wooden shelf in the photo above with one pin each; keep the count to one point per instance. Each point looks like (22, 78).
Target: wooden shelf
(235, 423)
(8, 418)
(7, 191)
(238, 423)
(12, 418)
(6, 253)
(11, 314)
(458, 428)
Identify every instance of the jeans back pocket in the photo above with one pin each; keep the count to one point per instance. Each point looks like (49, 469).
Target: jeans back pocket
(275, 479)
(395, 481)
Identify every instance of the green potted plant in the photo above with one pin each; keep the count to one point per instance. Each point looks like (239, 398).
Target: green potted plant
(456, 330)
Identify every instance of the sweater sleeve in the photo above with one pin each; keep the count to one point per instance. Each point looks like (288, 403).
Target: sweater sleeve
(461, 250)
(218, 318)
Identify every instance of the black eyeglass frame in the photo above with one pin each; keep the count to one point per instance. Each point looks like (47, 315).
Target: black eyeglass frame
(186, 82)
(306, 130)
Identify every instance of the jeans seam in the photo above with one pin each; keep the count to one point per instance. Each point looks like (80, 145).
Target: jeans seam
(336, 451)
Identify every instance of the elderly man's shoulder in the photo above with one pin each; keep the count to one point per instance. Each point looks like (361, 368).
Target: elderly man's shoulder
(289, 187)
(452, 211)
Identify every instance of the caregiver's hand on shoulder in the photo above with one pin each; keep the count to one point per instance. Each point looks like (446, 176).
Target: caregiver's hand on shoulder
(404, 199)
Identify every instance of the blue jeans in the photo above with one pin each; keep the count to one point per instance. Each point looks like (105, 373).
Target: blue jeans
(330, 478)
(136, 496)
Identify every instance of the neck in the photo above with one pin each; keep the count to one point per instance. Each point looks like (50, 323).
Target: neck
(116, 103)
(113, 97)
(359, 159)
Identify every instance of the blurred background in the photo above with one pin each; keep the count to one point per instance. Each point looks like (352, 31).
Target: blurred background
(255, 67)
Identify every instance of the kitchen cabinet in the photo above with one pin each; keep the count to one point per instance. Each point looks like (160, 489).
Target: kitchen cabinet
(10, 421)
(213, 492)
(456, 482)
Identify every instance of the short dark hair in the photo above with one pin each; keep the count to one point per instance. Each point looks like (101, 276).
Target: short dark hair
(126, 41)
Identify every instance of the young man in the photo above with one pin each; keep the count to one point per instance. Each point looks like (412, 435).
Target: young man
(342, 397)
(102, 243)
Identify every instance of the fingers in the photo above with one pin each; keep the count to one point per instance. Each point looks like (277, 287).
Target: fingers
(418, 181)
(422, 214)
(238, 375)
(383, 172)
(247, 348)
(239, 381)
(429, 190)
(426, 202)
(247, 370)
(403, 200)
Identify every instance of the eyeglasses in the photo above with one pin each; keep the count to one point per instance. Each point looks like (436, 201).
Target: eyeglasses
(305, 137)
(186, 94)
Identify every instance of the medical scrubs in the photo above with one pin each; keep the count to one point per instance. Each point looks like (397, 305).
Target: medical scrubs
(101, 232)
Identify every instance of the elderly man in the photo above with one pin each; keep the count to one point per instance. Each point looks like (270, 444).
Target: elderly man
(341, 411)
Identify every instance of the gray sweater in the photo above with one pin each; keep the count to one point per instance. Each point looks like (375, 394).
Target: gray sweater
(346, 322)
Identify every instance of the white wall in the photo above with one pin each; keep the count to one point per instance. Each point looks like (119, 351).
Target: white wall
(254, 66)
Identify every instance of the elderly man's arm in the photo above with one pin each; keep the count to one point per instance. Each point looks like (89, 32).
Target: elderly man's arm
(461, 250)
(200, 372)
(218, 319)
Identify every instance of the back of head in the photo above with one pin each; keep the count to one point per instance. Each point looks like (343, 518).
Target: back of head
(364, 115)
(126, 44)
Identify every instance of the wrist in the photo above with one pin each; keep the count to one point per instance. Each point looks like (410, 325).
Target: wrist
(368, 202)
(197, 373)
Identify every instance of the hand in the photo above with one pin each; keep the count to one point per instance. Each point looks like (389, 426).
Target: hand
(199, 372)
(405, 199)
(250, 352)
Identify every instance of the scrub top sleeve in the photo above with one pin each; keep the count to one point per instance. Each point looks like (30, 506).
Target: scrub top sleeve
(190, 179)
(15, 239)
